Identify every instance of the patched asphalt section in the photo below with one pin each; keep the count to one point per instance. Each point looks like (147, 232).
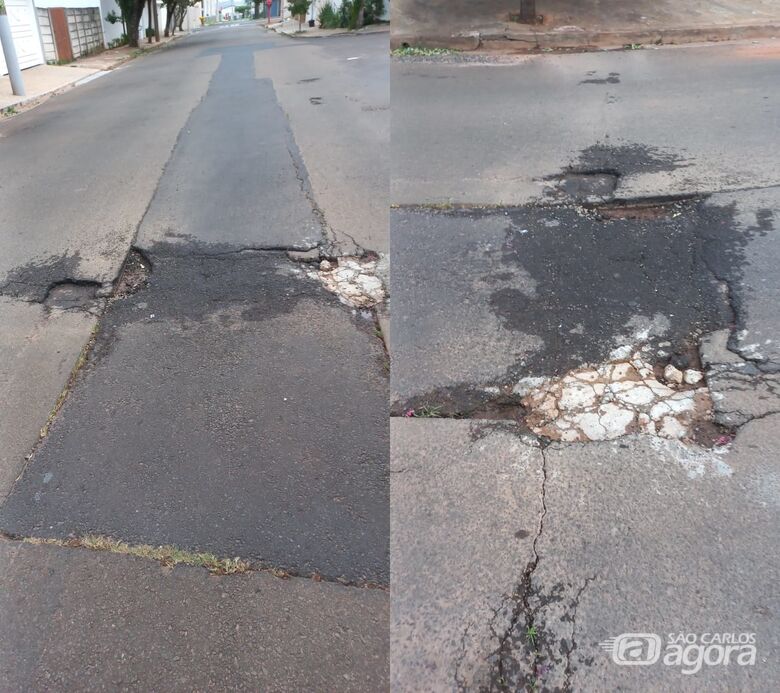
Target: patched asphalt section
(229, 405)
(254, 190)
(489, 296)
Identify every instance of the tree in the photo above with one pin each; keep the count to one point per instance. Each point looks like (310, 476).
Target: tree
(256, 13)
(132, 10)
(299, 8)
(528, 11)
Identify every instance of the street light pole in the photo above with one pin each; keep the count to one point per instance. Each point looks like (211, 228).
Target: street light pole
(9, 51)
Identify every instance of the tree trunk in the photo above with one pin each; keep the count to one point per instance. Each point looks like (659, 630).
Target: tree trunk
(133, 22)
(256, 14)
(361, 16)
(170, 8)
(528, 11)
(156, 18)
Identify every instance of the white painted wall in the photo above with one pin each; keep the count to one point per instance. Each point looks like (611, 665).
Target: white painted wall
(114, 31)
(67, 3)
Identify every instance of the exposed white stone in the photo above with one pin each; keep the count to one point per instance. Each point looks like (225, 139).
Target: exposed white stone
(641, 394)
(353, 280)
(671, 428)
(588, 376)
(614, 420)
(589, 423)
(610, 401)
(577, 396)
(692, 376)
(526, 385)
(621, 353)
(673, 375)
(622, 371)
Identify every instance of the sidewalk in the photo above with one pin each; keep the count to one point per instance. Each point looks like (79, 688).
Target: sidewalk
(580, 23)
(42, 81)
(289, 27)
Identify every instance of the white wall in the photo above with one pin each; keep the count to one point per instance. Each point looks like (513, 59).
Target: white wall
(114, 31)
(110, 31)
(67, 3)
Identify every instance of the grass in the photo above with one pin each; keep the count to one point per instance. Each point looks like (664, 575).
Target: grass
(428, 411)
(166, 555)
(421, 51)
(80, 361)
(531, 635)
(11, 110)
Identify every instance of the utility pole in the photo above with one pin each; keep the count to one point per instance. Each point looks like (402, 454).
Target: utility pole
(9, 51)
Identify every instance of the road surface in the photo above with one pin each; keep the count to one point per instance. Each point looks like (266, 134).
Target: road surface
(224, 402)
(566, 230)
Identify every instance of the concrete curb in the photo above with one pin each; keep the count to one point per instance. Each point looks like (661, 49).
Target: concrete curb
(530, 39)
(347, 32)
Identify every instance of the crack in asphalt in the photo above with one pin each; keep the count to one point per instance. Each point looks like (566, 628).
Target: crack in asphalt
(521, 596)
(574, 607)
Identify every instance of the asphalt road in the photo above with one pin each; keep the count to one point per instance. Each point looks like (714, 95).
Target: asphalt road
(667, 130)
(228, 403)
(641, 206)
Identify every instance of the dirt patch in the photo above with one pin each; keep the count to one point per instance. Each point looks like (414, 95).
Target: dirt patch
(134, 275)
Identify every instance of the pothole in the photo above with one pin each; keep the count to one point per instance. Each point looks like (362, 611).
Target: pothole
(587, 186)
(623, 396)
(639, 211)
(68, 295)
(353, 279)
(135, 274)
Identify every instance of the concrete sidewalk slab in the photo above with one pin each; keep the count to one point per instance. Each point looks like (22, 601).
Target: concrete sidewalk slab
(466, 504)
(636, 536)
(75, 619)
(38, 351)
(580, 24)
(42, 80)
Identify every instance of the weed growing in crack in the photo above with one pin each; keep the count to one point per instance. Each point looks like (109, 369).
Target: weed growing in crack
(166, 555)
(426, 411)
(531, 635)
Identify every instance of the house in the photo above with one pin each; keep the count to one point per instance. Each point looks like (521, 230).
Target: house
(24, 30)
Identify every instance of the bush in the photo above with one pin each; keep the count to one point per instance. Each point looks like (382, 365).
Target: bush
(328, 17)
(374, 11)
(350, 10)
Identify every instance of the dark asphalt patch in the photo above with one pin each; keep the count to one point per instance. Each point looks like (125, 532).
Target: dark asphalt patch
(612, 78)
(627, 159)
(230, 405)
(565, 288)
(32, 282)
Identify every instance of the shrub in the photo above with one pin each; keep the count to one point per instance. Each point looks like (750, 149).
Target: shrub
(328, 17)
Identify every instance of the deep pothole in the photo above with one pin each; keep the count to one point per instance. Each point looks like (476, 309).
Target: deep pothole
(72, 295)
(134, 275)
